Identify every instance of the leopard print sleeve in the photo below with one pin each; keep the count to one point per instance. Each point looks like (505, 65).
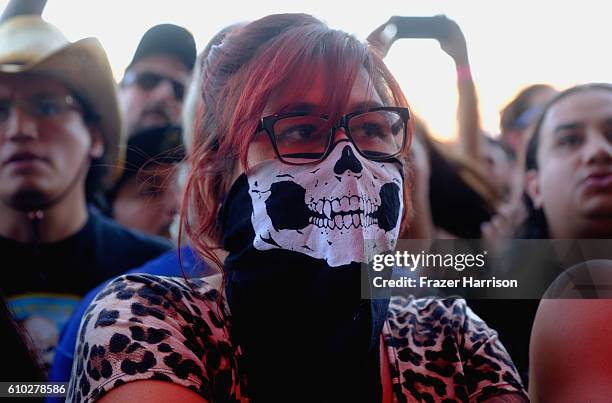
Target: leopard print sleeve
(440, 351)
(148, 327)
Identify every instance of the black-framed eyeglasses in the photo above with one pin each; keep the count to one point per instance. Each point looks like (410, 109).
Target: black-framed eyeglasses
(301, 138)
(148, 80)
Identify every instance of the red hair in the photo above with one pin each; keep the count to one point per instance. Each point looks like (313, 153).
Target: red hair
(239, 76)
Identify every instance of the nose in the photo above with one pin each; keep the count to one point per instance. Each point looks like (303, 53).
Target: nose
(21, 126)
(347, 162)
(163, 91)
(340, 134)
(598, 148)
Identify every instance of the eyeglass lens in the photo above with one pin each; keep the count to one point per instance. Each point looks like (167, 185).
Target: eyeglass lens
(300, 139)
(39, 107)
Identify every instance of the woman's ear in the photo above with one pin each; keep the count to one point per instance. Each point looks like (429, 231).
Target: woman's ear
(532, 187)
(97, 143)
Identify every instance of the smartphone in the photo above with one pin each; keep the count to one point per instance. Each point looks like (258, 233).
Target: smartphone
(435, 27)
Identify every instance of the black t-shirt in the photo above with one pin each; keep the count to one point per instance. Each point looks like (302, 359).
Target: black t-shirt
(455, 205)
(513, 321)
(44, 283)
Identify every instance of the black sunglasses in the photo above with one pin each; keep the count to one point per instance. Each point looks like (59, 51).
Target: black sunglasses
(148, 80)
(300, 138)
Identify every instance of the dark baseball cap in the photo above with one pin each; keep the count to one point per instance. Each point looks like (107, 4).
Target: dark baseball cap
(167, 39)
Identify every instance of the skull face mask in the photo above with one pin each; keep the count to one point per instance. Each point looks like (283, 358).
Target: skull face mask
(327, 211)
(295, 237)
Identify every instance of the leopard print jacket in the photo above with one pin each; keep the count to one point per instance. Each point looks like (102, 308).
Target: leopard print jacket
(170, 329)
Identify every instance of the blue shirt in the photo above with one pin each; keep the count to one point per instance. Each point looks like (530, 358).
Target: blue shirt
(166, 265)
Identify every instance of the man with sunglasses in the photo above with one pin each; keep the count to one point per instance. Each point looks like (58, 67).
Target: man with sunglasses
(154, 83)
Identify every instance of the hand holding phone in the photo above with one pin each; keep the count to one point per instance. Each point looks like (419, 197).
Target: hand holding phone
(454, 44)
(438, 27)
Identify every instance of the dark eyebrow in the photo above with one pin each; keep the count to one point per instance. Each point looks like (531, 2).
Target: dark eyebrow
(36, 95)
(568, 126)
(49, 94)
(45, 96)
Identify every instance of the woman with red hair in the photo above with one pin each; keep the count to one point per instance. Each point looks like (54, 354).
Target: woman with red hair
(296, 170)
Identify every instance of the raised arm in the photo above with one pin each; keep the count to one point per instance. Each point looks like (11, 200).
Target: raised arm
(383, 37)
(452, 41)
(468, 114)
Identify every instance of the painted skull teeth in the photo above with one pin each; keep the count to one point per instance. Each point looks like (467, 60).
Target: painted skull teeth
(346, 220)
(329, 209)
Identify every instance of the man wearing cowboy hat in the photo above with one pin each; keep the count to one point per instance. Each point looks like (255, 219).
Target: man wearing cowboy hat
(60, 128)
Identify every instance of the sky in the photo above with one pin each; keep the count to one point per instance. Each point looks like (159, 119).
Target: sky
(511, 44)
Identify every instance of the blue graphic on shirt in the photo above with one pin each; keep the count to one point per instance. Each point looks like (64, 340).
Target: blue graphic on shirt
(43, 316)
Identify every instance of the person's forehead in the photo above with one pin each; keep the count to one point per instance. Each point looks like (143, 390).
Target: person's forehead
(166, 65)
(582, 107)
(28, 84)
(361, 93)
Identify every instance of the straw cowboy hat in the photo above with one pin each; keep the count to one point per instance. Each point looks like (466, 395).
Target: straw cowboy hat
(29, 44)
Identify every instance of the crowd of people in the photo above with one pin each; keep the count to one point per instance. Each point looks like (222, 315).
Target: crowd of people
(197, 231)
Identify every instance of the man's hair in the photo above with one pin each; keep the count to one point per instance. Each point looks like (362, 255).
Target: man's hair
(520, 104)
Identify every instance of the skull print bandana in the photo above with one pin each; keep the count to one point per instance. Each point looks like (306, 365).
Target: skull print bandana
(295, 237)
(329, 210)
